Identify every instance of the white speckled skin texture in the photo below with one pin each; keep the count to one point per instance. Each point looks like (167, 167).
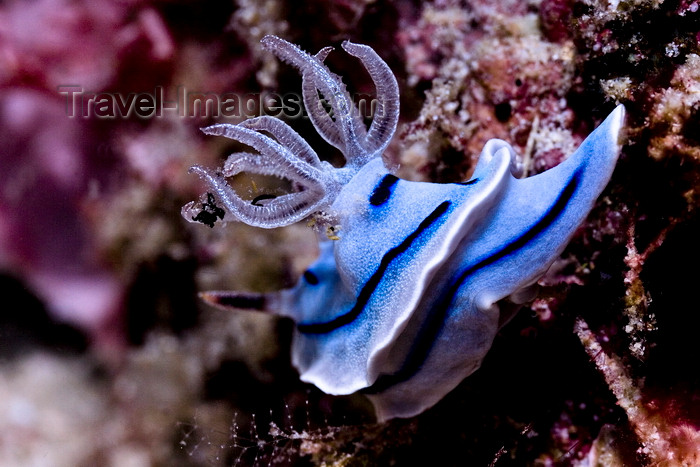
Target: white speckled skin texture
(403, 305)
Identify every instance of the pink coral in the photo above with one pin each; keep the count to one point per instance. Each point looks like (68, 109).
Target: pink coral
(46, 176)
(80, 42)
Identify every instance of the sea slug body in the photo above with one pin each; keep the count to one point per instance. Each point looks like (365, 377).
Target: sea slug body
(404, 304)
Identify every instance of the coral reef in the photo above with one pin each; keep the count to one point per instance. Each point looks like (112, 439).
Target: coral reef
(110, 342)
(498, 79)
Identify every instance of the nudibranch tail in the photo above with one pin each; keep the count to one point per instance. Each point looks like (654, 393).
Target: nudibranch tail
(532, 224)
(598, 152)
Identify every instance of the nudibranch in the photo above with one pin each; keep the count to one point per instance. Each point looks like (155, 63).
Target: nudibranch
(406, 300)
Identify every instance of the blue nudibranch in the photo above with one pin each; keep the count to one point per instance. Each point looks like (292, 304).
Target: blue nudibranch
(404, 304)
